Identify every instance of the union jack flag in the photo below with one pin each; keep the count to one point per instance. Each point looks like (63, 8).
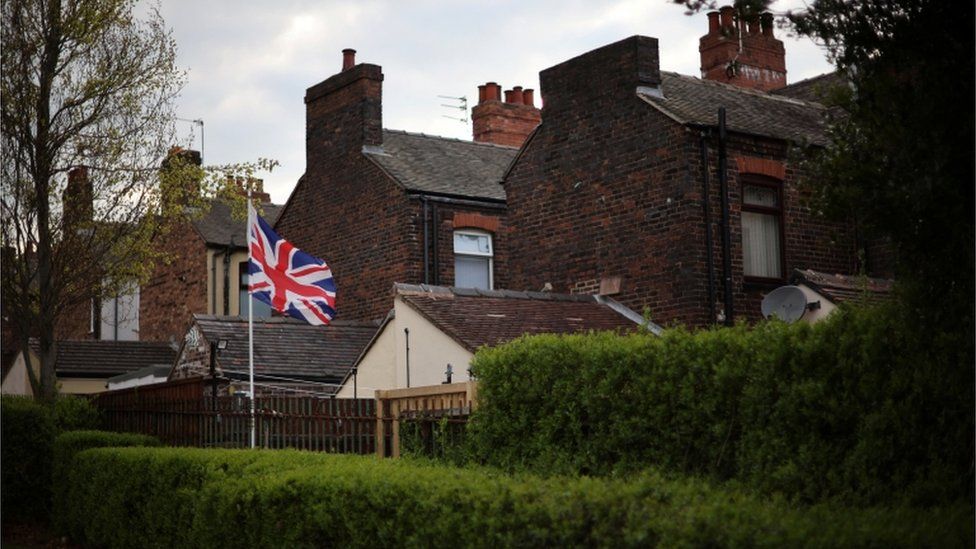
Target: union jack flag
(288, 279)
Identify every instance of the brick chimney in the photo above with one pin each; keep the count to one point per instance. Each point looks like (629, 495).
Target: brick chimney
(77, 197)
(600, 77)
(504, 123)
(186, 157)
(344, 113)
(257, 189)
(742, 52)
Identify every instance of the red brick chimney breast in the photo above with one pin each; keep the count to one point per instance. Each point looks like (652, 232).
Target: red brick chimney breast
(742, 53)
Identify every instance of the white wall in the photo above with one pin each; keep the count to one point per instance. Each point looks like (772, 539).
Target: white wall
(431, 350)
(17, 382)
(816, 315)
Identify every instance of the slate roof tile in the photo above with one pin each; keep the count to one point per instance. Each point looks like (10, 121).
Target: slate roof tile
(840, 288)
(690, 100)
(444, 166)
(219, 228)
(109, 358)
(287, 347)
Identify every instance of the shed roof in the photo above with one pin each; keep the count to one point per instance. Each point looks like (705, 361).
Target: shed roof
(840, 288)
(475, 318)
(443, 166)
(690, 100)
(287, 347)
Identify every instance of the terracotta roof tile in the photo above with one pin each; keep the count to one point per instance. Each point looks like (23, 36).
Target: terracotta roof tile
(476, 318)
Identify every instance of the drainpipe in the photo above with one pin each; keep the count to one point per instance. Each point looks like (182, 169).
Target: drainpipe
(437, 263)
(726, 231)
(406, 334)
(227, 277)
(709, 266)
(213, 283)
(423, 199)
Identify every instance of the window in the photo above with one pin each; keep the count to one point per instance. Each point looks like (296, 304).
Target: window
(261, 309)
(762, 229)
(472, 260)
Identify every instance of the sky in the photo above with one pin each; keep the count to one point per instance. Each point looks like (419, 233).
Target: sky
(248, 63)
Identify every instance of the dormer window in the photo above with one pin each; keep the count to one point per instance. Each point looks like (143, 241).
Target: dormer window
(473, 259)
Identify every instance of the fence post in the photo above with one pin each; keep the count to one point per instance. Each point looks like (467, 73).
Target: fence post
(380, 445)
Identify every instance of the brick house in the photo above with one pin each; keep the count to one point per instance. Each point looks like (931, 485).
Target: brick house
(630, 204)
(384, 206)
(207, 275)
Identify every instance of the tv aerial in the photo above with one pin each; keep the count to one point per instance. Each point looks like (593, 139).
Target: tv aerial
(462, 106)
(787, 303)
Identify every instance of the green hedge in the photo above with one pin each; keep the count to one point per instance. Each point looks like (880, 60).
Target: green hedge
(865, 407)
(28, 432)
(169, 497)
(66, 446)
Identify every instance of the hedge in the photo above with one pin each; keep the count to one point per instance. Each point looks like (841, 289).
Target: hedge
(66, 446)
(170, 497)
(864, 408)
(28, 431)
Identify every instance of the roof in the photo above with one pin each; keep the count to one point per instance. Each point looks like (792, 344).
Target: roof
(840, 288)
(475, 318)
(161, 370)
(97, 358)
(443, 166)
(689, 100)
(812, 89)
(218, 227)
(288, 347)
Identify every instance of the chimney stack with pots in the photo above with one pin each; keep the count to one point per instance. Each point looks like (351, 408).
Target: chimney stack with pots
(741, 50)
(506, 123)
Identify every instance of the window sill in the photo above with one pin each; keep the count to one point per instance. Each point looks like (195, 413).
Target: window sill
(762, 284)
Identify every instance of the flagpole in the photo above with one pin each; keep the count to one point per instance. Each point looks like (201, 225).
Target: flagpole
(250, 320)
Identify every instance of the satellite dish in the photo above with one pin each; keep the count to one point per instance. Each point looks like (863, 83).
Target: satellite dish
(787, 303)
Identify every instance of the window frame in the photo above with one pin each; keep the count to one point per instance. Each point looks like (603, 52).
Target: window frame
(490, 255)
(243, 267)
(752, 180)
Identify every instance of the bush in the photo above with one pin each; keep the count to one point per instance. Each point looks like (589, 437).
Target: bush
(139, 497)
(74, 413)
(864, 407)
(28, 431)
(66, 446)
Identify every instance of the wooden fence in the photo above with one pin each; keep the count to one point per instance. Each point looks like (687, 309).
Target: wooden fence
(450, 402)
(182, 413)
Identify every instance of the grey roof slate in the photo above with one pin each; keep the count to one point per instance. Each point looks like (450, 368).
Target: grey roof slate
(813, 89)
(97, 358)
(219, 228)
(287, 347)
(839, 288)
(689, 100)
(443, 166)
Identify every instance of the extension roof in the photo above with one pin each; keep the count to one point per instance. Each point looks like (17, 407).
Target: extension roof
(840, 288)
(443, 166)
(288, 347)
(813, 89)
(475, 318)
(97, 358)
(692, 101)
(218, 227)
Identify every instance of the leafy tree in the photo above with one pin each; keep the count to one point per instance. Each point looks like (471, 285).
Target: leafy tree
(900, 159)
(84, 83)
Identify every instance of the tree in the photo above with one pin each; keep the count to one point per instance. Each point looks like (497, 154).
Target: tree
(900, 158)
(84, 84)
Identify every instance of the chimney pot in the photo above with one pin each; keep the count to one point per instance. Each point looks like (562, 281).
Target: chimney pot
(517, 95)
(713, 22)
(528, 97)
(348, 59)
(493, 92)
(726, 13)
(481, 93)
(754, 25)
(509, 96)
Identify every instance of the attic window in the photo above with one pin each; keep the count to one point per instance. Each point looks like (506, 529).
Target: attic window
(473, 259)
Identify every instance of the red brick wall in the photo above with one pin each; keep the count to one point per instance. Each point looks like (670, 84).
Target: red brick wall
(610, 187)
(177, 289)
